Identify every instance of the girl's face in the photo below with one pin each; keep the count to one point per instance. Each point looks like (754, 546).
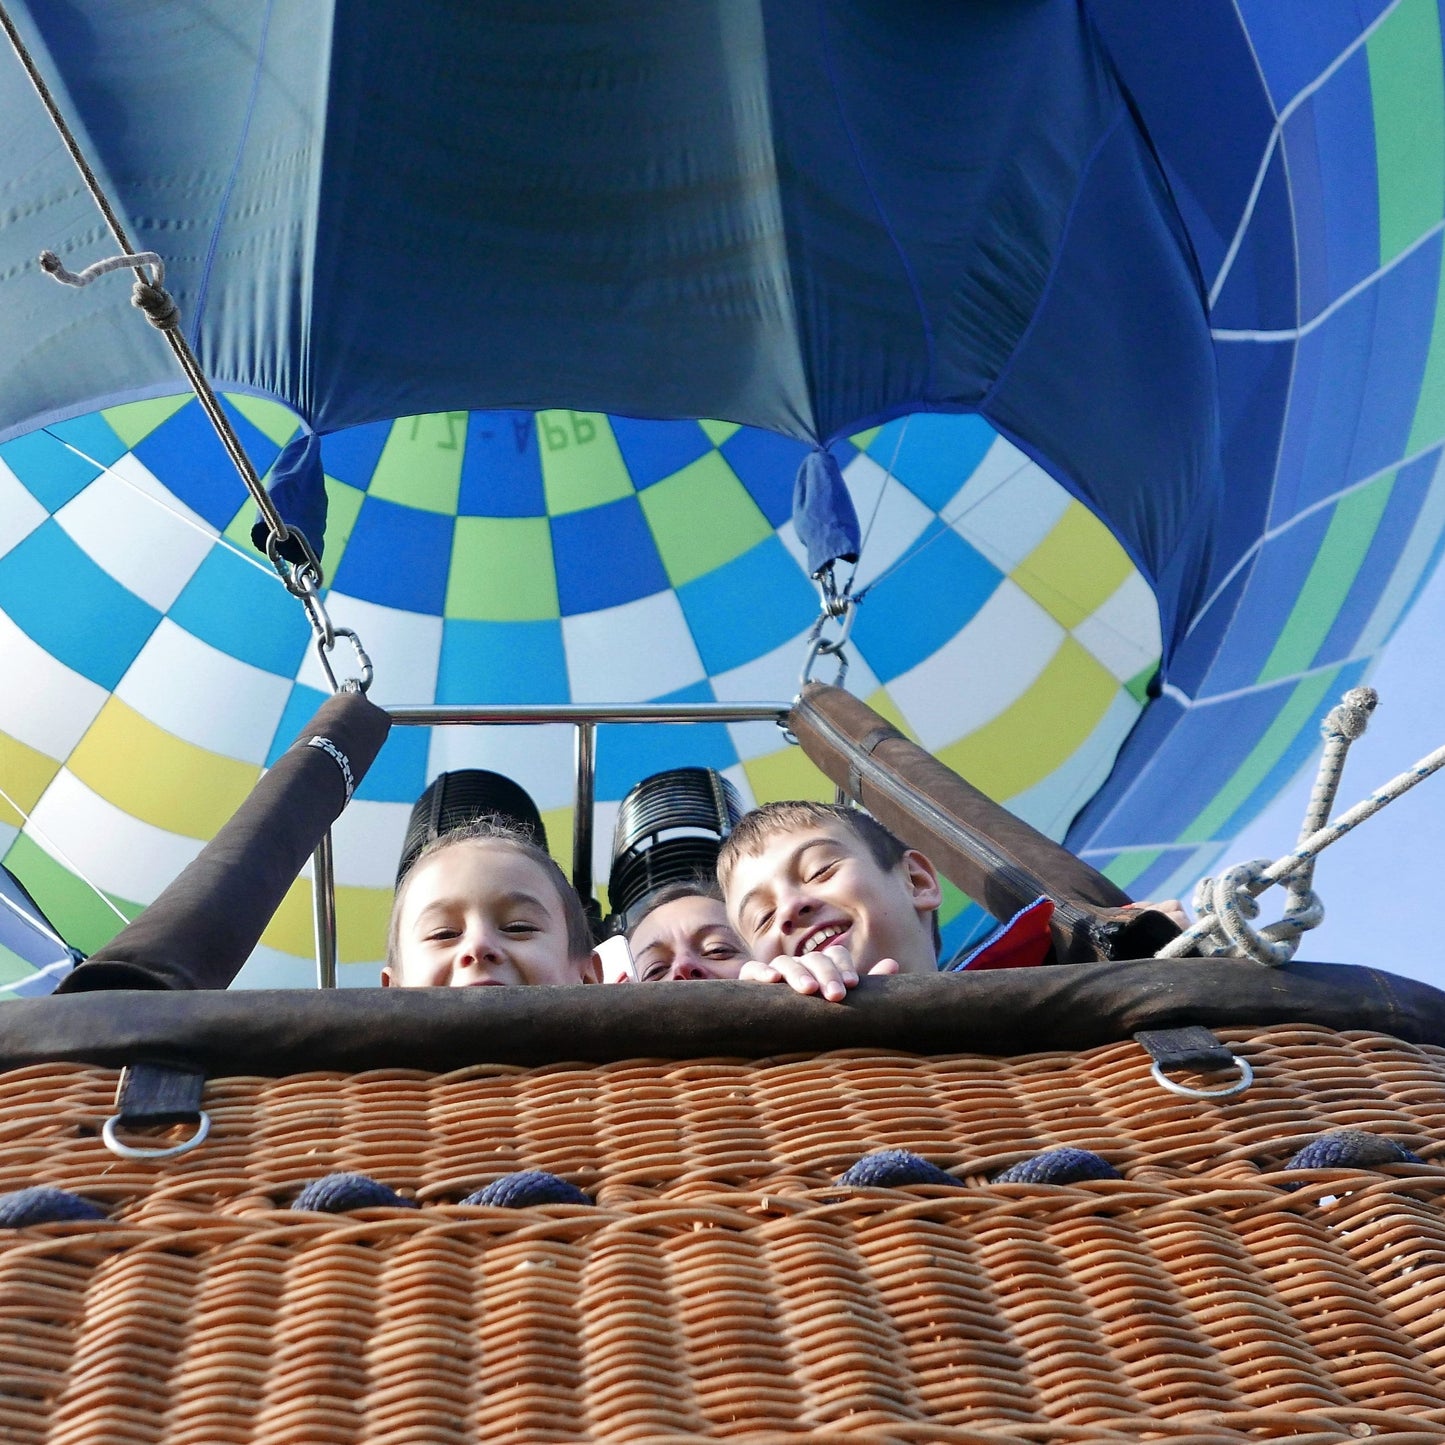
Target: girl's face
(480, 914)
(686, 939)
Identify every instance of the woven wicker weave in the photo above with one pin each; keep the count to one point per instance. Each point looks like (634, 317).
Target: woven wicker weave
(725, 1287)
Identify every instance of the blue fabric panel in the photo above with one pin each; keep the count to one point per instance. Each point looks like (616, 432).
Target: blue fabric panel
(766, 465)
(300, 708)
(1404, 316)
(748, 606)
(1206, 748)
(1158, 416)
(913, 611)
(502, 662)
(1152, 881)
(399, 773)
(351, 455)
(1348, 421)
(502, 466)
(186, 452)
(1202, 66)
(88, 621)
(937, 455)
(1258, 294)
(1295, 756)
(1412, 486)
(605, 556)
(1192, 660)
(1295, 477)
(397, 556)
(1274, 587)
(245, 612)
(1300, 151)
(934, 262)
(49, 472)
(656, 449)
(92, 435)
(1119, 813)
(1297, 40)
(1254, 389)
(1343, 119)
(626, 755)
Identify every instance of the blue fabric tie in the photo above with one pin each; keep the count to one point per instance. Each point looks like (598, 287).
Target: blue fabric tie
(298, 489)
(823, 512)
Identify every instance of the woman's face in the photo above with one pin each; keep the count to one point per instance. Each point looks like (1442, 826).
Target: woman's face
(686, 939)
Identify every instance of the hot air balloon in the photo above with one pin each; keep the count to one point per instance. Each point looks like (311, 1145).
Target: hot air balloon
(1009, 308)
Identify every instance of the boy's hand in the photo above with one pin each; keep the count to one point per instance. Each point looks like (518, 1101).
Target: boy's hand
(829, 971)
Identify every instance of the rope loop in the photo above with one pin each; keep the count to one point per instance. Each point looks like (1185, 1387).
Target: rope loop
(526, 1188)
(1229, 906)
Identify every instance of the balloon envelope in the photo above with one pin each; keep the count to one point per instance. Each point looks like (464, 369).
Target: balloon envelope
(520, 558)
(1188, 263)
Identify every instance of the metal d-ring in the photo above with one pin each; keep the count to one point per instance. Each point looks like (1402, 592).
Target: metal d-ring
(1246, 1078)
(129, 1151)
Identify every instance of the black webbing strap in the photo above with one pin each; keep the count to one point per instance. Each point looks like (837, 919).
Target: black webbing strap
(158, 1094)
(1187, 1048)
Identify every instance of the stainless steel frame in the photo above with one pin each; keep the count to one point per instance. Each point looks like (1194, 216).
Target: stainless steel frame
(584, 718)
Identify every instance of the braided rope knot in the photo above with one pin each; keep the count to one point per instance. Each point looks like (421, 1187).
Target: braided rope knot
(893, 1169)
(158, 305)
(1351, 715)
(526, 1188)
(338, 1193)
(1227, 907)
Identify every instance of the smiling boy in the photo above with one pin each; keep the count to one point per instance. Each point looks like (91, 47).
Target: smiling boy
(822, 894)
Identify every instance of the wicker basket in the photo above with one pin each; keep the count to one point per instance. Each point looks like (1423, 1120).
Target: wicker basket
(725, 1286)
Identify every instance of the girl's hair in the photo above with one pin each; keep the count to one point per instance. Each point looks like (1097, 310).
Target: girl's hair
(700, 887)
(495, 828)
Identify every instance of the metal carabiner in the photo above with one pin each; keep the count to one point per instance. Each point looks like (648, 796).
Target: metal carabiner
(360, 683)
(820, 646)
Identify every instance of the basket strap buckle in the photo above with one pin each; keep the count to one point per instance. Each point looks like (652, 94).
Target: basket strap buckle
(157, 1094)
(1193, 1048)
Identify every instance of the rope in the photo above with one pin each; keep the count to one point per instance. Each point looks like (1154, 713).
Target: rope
(1058, 1166)
(893, 1169)
(44, 1205)
(149, 295)
(1227, 905)
(338, 1193)
(529, 1187)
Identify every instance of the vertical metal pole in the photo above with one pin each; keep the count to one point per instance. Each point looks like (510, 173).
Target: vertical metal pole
(582, 809)
(323, 906)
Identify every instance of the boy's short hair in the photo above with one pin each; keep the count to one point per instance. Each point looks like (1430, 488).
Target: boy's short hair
(497, 828)
(753, 831)
(700, 887)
